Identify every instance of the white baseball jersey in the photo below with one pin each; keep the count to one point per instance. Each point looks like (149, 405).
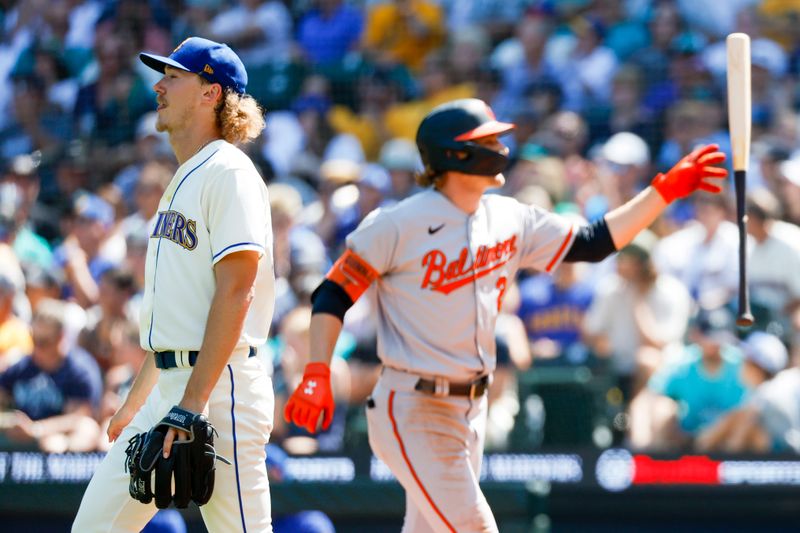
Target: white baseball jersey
(216, 204)
(443, 274)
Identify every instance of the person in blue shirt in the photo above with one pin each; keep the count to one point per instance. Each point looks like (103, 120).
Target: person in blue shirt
(767, 421)
(80, 255)
(53, 392)
(327, 33)
(694, 388)
(552, 309)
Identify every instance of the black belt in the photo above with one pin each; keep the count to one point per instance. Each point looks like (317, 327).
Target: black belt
(473, 389)
(168, 359)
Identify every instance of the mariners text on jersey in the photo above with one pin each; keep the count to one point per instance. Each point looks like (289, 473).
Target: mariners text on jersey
(174, 226)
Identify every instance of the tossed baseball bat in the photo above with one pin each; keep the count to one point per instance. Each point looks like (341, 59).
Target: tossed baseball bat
(739, 118)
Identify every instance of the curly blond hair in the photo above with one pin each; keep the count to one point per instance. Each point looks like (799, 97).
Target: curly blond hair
(239, 117)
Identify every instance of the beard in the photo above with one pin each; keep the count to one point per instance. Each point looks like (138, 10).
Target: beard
(175, 119)
(160, 126)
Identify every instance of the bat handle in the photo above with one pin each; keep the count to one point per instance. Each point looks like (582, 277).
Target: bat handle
(745, 317)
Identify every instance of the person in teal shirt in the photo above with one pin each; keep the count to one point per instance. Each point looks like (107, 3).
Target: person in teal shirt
(31, 248)
(19, 191)
(705, 379)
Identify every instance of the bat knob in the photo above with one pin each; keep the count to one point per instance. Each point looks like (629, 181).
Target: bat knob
(744, 320)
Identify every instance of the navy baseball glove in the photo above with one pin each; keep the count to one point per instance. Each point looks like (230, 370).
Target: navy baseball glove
(190, 465)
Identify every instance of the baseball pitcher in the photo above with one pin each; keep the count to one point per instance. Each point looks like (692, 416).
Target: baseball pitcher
(201, 399)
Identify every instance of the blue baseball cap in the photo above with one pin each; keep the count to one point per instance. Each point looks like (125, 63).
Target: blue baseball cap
(92, 207)
(215, 62)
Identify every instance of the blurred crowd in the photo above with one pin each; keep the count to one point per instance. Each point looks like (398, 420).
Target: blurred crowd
(605, 93)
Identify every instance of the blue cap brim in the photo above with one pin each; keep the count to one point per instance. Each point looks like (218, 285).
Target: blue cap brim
(158, 63)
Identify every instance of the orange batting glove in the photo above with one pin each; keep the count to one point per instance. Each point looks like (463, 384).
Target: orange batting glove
(312, 397)
(691, 173)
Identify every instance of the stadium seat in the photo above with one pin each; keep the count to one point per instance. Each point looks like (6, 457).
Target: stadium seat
(560, 407)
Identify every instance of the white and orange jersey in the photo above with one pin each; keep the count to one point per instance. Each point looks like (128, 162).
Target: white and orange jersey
(443, 274)
(215, 205)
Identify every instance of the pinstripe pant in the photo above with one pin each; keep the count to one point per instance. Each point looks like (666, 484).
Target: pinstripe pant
(241, 408)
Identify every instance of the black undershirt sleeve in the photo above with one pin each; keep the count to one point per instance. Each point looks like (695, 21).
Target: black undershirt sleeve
(593, 243)
(330, 298)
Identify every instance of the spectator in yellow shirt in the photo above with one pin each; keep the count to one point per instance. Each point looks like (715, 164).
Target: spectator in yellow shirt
(403, 31)
(778, 20)
(15, 336)
(377, 92)
(436, 82)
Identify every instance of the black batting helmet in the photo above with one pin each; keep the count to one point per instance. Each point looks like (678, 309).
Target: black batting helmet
(452, 128)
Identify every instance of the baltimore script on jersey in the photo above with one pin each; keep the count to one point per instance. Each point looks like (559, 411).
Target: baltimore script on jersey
(445, 277)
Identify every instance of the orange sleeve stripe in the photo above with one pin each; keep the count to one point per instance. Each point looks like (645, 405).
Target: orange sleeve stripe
(353, 274)
(560, 250)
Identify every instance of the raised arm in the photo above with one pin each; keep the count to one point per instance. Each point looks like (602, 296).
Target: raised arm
(596, 241)
(696, 171)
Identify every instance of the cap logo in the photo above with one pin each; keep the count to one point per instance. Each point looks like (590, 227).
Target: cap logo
(180, 45)
(207, 69)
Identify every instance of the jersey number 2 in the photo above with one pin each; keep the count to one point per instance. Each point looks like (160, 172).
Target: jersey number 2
(502, 281)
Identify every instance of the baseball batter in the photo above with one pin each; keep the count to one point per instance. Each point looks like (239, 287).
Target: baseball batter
(442, 261)
(208, 298)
